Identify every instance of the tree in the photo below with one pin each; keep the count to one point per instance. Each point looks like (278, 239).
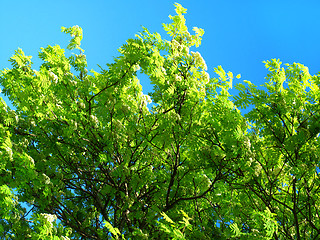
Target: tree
(86, 148)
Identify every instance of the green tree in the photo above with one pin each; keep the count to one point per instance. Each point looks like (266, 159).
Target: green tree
(86, 148)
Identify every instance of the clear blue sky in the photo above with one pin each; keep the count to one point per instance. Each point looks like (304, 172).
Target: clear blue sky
(239, 35)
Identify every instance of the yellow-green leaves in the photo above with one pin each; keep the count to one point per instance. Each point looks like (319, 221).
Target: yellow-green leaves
(178, 26)
(225, 80)
(175, 230)
(179, 9)
(199, 31)
(7, 146)
(7, 203)
(19, 59)
(222, 74)
(181, 162)
(283, 143)
(115, 231)
(265, 227)
(76, 34)
(199, 60)
(179, 31)
(196, 40)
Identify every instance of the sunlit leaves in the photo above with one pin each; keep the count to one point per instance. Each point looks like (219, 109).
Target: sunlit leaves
(182, 162)
(115, 231)
(235, 229)
(20, 60)
(173, 229)
(76, 34)
(283, 116)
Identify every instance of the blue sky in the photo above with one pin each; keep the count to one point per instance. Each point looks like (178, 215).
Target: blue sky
(239, 35)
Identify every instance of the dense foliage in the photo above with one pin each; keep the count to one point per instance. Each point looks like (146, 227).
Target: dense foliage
(93, 159)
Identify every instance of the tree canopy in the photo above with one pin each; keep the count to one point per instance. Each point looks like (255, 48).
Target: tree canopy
(93, 157)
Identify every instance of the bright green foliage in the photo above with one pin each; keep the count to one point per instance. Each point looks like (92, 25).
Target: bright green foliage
(86, 148)
(174, 230)
(76, 34)
(114, 231)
